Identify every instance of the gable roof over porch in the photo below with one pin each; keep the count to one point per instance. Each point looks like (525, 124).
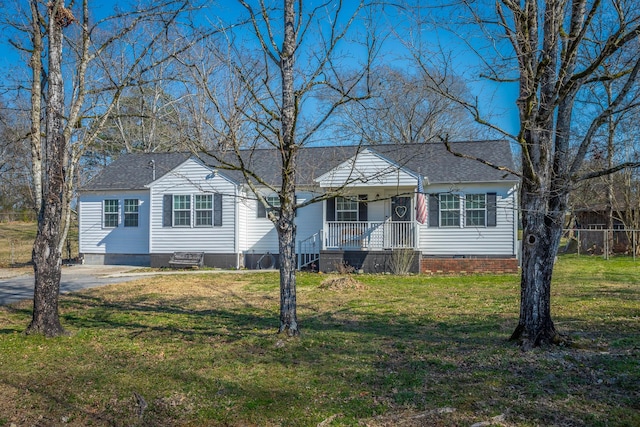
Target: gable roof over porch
(367, 168)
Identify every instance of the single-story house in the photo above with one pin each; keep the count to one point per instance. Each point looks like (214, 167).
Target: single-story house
(445, 213)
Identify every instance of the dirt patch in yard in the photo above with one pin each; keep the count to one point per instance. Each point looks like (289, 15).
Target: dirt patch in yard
(340, 283)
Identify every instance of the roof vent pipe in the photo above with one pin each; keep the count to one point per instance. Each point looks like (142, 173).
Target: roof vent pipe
(152, 165)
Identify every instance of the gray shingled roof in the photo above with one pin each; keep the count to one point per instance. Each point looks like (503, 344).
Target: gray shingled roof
(133, 171)
(440, 166)
(433, 161)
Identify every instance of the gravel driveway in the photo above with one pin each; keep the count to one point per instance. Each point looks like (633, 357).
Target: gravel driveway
(17, 284)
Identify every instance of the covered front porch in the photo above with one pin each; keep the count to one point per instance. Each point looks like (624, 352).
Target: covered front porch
(369, 235)
(380, 220)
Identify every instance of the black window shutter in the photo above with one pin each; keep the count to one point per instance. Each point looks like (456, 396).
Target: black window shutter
(167, 210)
(331, 209)
(434, 210)
(363, 207)
(492, 217)
(217, 210)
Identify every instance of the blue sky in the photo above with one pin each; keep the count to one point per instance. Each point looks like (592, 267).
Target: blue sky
(498, 98)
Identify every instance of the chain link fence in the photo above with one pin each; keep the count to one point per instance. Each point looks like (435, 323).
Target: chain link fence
(16, 243)
(24, 216)
(17, 253)
(601, 241)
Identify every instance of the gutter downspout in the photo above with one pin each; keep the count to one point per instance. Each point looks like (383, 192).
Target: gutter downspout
(236, 225)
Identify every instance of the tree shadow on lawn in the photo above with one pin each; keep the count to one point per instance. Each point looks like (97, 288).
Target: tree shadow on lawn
(174, 316)
(372, 362)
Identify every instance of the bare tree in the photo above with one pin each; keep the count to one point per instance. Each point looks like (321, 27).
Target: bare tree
(555, 50)
(73, 125)
(405, 109)
(281, 95)
(15, 183)
(149, 117)
(46, 256)
(578, 39)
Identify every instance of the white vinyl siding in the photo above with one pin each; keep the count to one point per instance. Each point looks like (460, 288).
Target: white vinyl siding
(474, 240)
(191, 179)
(96, 239)
(359, 171)
(260, 235)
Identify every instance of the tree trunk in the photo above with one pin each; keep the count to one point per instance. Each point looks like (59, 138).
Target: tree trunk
(285, 224)
(36, 106)
(541, 239)
(286, 243)
(47, 258)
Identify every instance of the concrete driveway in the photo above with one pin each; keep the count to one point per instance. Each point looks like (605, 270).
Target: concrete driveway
(18, 285)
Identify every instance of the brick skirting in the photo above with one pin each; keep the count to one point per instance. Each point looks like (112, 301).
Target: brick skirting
(468, 265)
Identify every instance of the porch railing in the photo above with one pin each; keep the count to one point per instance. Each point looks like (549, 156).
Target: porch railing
(370, 235)
(309, 250)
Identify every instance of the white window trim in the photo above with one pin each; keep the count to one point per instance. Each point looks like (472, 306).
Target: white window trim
(105, 213)
(475, 210)
(125, 213)
(196, 210)
(356, 210)
(173, 209)
(461, 202)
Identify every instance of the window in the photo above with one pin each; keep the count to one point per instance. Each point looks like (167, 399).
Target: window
(273, 201)
(346, 209)
(449, 210)
(177, 210)
(204, 210)
(475, 210)
(131, 212)
(110, 208)
(181, 210)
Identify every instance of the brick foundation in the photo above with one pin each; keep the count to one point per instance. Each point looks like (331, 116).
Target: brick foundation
(468, 265)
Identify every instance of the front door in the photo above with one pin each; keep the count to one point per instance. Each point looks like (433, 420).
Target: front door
(400, 232)
(400, 208)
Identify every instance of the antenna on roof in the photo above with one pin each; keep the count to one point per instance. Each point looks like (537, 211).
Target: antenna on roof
(152, 165)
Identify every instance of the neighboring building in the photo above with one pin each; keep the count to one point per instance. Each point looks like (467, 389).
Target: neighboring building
(144, 207)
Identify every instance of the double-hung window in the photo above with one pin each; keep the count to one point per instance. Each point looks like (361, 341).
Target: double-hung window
(449, 210)
(181, 210)
(110, 213)
(274, 205)
(475, 210)
(204, 210)
(131, 212)
(186, 210)
(346, 209)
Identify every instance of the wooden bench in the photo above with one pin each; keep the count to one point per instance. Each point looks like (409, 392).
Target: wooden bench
(186, 259)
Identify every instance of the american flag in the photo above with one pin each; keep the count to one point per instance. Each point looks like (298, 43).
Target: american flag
(421, 203)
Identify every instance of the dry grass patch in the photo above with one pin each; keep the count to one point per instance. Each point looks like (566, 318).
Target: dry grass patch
(340, 283)
(16, 243)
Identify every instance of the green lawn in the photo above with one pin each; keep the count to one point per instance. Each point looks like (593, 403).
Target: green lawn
(408, 351)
